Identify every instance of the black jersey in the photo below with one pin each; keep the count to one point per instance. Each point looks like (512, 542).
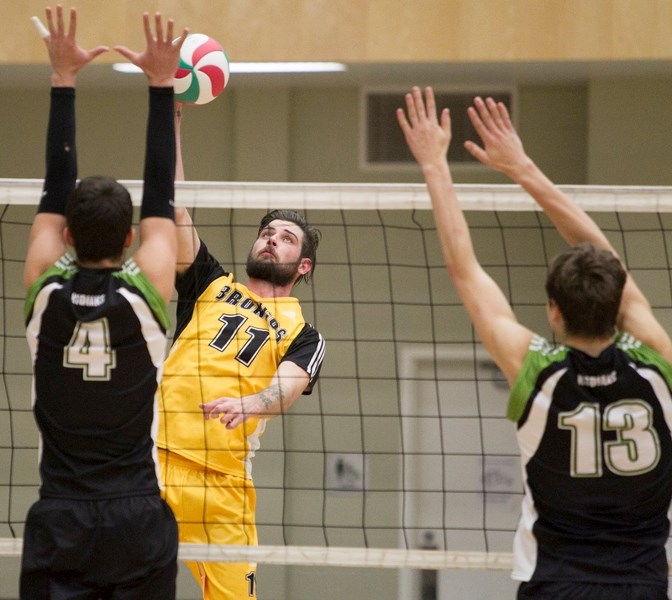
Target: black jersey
(97, 339)
(594, 436)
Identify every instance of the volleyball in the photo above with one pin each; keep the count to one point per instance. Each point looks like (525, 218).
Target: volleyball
(203, 70)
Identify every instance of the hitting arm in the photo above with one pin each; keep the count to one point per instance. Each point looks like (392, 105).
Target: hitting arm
(188, 242)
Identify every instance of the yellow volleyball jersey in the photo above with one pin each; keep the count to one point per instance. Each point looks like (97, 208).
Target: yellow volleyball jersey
(229, 342)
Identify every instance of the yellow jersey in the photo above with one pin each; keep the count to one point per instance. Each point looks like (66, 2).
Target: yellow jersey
(228, 343)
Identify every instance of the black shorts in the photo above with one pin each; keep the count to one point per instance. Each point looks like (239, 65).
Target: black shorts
(118, 549)
(570, 590)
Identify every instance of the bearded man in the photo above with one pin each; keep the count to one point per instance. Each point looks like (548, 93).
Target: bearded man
(242, 353)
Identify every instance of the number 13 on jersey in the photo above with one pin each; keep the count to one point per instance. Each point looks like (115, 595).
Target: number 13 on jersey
(635, 449)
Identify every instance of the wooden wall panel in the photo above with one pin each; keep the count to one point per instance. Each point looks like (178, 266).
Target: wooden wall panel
(373, 30)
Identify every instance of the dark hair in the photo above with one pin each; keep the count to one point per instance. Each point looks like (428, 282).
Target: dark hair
(311, 236)
(99, 215)
(586, 284)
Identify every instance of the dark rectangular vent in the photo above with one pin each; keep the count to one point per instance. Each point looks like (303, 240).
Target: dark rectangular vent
(384, 143)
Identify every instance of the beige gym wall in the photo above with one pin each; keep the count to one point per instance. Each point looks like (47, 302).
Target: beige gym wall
(590, 129)
(377, 30)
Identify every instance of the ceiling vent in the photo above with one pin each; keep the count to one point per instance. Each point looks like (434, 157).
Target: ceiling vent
(382, 144)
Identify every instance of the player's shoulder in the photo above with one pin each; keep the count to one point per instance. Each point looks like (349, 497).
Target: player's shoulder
(541, 353)
(541, 348)
(131, 275)
(642, 354)
(62, 270)
(309, 330)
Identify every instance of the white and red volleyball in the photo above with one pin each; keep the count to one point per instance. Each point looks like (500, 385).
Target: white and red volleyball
(203, 70)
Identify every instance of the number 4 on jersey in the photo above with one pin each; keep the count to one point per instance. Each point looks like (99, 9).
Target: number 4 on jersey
(90, 350)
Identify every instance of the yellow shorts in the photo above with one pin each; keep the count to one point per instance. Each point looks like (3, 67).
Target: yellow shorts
(213, 508)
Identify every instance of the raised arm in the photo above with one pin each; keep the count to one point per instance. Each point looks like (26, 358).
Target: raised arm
(46, 242)
(503, 151)
(504, 338)
(187, 236)
(157, 251)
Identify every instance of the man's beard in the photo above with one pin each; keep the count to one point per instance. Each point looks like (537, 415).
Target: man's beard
(279, 275)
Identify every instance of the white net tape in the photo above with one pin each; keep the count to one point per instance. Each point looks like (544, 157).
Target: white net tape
(328, 557)
(356, 196)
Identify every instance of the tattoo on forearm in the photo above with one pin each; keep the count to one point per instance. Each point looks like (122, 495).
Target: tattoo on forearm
(271, 395)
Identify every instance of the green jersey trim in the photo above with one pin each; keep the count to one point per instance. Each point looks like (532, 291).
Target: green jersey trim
(540, 355)
(641, 353)
(64, 268)
(131, 274)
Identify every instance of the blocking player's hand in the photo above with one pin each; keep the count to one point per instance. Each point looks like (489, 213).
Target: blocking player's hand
(161, 56)
(502, 148)
(427, 137)
(66, 57)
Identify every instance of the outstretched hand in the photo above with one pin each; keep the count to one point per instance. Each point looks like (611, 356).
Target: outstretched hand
(160, 59)
(426, 136)
(66, 57)
(502, 148)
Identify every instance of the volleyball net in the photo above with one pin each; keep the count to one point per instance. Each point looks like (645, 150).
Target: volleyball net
(401, 457)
